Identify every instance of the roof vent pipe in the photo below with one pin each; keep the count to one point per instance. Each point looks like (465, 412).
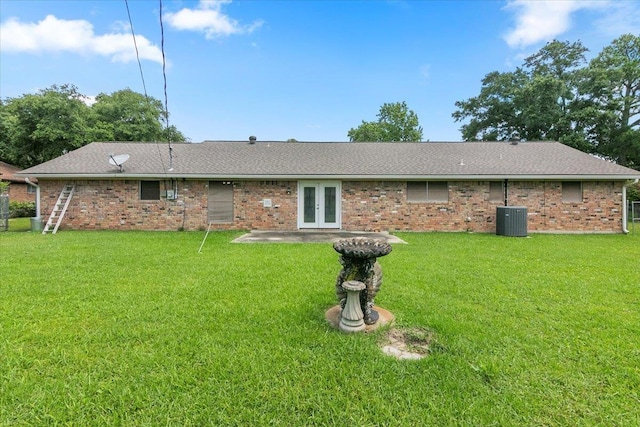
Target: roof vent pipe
(252, 139)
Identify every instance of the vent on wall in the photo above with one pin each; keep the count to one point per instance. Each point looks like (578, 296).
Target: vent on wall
(511, 221)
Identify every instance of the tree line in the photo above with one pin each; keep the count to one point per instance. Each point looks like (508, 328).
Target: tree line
(35, 128)
(556, 94)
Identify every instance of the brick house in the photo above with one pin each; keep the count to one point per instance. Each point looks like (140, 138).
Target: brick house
(19, 190)
(347, 186)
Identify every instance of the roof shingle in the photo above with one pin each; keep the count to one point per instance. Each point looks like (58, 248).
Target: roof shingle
(271, 160)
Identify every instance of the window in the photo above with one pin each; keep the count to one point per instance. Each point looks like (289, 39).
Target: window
(31, 189)
(572, 192)
(430, 191)
(496, 191)
(220, 206)
(149, 190)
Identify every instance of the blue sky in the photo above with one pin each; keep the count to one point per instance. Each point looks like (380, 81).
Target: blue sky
(308, 70)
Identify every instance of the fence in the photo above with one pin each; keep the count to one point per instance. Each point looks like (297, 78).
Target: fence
(4, 213)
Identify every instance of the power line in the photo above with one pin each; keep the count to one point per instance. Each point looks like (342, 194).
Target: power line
(164, 70)
(144, 86)
(166, 102)
(135, 44)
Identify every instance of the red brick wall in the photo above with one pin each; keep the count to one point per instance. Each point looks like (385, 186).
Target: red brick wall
(18, 192)
(116, 205)
(373, 206)
(368, 206)
(18, 188)
(383, 206)
(250, 212)
(600, 210)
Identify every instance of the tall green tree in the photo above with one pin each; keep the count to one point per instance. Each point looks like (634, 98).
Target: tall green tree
(38, 127)
(557, 95)
(44, 125)
(536, 101)
(126, 115)
(612, 90)
(5, 119)
(396, 123)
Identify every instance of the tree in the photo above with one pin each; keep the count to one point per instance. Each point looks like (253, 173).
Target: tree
(493, 112)
(129, 116)
(535, 101)
(612, 90)
(5, 119)
(44, 125)
(38, 127)
(556, 95)
(396, 123)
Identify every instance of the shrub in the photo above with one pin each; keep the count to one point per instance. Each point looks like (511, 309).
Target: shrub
(22, 209)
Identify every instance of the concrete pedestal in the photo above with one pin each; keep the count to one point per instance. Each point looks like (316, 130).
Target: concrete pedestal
(333, 315)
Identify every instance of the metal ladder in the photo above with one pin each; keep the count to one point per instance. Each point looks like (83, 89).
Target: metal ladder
(59, 209)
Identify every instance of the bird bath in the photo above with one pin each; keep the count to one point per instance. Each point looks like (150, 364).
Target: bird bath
(359, 281)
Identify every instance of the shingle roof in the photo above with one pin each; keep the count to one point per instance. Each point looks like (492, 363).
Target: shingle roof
(379, 160)
(8, 173)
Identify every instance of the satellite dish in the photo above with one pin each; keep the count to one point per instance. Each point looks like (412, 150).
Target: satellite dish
(118, 160)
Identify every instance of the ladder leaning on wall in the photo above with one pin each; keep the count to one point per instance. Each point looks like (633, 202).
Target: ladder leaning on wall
(59, 209)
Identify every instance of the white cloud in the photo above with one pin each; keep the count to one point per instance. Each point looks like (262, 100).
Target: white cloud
(88, 100)
(621, 18)
(543, 20)
(76, 36)
(208, 18)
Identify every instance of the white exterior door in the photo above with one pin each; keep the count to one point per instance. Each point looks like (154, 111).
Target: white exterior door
(319, 204)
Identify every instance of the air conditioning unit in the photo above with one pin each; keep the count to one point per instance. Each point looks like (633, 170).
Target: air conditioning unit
(511, 221)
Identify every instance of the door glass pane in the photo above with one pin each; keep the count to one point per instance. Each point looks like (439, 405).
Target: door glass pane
(309, 204)
(329, 204)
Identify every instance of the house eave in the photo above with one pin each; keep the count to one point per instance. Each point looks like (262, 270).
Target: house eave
(343, 177)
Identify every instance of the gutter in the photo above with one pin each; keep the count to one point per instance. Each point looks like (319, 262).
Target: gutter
(625, 209)
(37, 196)
(334, 177)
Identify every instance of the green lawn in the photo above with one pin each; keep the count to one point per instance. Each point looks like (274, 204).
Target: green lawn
(135, 328)
(20, 224)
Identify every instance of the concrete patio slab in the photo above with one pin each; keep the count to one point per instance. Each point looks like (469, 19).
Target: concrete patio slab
(314, 236)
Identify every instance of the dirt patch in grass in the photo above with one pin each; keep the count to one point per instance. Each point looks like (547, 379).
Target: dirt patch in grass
(408, 343)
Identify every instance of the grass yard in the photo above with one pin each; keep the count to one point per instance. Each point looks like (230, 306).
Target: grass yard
(19, 224)
(135, 328)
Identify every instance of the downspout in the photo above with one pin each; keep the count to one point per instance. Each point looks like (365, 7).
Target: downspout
(38, 196)
(625, 209)
(506, 192)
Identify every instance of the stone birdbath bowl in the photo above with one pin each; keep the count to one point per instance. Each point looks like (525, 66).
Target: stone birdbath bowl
(357, 285)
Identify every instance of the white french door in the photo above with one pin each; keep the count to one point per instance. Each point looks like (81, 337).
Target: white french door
(319, 204)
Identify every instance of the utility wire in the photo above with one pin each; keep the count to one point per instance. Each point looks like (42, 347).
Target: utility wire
(166, 102)
(164, 70)
(144, 86)
(135, 44)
